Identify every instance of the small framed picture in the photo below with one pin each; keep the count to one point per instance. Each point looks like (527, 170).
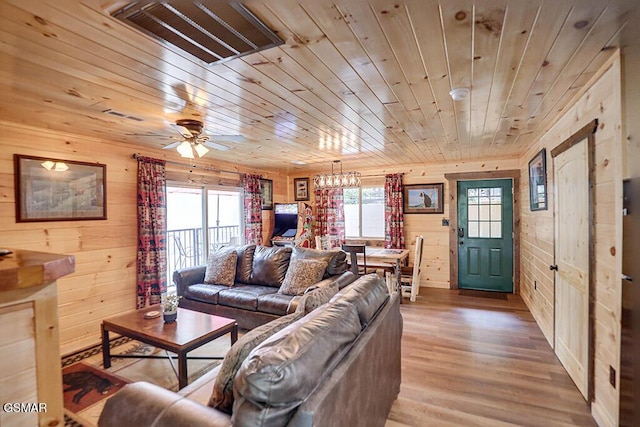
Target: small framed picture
(538, 181)
(59, 190)
(301, 189)
(266, 186)
(424, 198)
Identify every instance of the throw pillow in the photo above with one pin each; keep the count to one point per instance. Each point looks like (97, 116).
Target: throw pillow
(221, 267)
(222, 395)
(301, 274)
(336, 259)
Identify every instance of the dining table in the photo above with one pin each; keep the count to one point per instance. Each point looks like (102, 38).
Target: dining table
(387, 259)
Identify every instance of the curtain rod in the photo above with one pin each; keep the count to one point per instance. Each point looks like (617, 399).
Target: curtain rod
(362, 175)
(211, 169)
(374, 175)
(135, 156)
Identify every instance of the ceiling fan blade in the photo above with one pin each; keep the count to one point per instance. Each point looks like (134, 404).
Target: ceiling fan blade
(227, 138)
(184, 131)
(172, 145)
(215, 146)
(151, 134)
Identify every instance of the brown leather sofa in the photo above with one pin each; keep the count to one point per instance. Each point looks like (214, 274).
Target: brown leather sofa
(339, 365)
(260, 270)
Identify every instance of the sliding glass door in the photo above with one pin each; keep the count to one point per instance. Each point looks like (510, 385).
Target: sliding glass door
(190, 211)
(224, 213)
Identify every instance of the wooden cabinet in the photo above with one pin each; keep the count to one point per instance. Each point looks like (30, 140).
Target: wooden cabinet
(30, 371)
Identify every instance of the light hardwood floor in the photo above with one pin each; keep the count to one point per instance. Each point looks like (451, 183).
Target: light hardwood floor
(470, 360)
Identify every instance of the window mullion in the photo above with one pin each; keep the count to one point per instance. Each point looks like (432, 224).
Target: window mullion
(205, 223)
(360, 211)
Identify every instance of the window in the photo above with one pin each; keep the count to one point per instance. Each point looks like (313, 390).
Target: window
(485, 212)
(186, 220)
(364, 212)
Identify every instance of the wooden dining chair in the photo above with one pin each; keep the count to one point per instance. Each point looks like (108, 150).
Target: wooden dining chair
(323, 243)
(410, 277)
(353, 251)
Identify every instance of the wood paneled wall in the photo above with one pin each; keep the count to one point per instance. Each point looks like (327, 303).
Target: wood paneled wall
(601, 101)
(104, 283)
(435, 258)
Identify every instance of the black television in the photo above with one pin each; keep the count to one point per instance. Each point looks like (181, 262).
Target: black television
(285, 219)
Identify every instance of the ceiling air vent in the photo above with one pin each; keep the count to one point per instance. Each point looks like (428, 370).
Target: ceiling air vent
(213, 31)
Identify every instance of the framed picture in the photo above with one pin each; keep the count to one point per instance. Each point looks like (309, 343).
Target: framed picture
(424, 198)
(59, 190)
(266, 186)
(538, 181)
(301, 189)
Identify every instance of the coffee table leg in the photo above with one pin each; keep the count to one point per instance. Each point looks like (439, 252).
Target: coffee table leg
(234, 334)
(106, 352)
(182, 370)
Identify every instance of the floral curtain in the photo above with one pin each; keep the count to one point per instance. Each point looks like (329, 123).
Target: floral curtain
(252, 209)
(393, 215)
(304, 235)
(330, 215)
(151, 270)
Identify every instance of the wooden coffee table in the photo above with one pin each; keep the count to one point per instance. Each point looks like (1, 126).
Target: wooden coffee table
(192, 330)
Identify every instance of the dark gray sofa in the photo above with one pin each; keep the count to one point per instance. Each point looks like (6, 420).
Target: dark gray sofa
(254, 299)
(337, 366)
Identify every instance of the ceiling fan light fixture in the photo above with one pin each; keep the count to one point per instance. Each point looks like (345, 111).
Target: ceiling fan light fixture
(185, 150)
(201, 150)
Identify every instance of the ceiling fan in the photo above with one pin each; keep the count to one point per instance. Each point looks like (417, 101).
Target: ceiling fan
(195, 143)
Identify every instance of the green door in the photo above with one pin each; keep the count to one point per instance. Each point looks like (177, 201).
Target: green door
(485, 235)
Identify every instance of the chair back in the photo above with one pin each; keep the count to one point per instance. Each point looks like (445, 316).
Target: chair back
(418, 260)
(353, 251)
(323, 242)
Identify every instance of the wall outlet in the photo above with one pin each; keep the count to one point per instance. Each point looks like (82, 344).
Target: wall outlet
(612, 376)
(445, 222)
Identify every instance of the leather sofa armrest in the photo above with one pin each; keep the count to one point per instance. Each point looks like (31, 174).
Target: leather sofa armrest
(343, 279)
(144, 404)
(186, 277)
(316, 295)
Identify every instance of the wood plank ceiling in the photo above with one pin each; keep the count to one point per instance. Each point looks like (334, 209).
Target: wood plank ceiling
(363, 81)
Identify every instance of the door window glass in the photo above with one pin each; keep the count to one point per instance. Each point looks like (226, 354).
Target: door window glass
(485, 213)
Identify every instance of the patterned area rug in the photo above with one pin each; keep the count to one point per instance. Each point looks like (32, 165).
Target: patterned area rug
(87, 366)
(84, 385)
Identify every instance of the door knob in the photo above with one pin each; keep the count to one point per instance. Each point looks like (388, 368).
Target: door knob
(460, 232)
(553, 267)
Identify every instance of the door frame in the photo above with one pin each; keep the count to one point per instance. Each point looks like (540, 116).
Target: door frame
(586, 133)
(453, 178)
